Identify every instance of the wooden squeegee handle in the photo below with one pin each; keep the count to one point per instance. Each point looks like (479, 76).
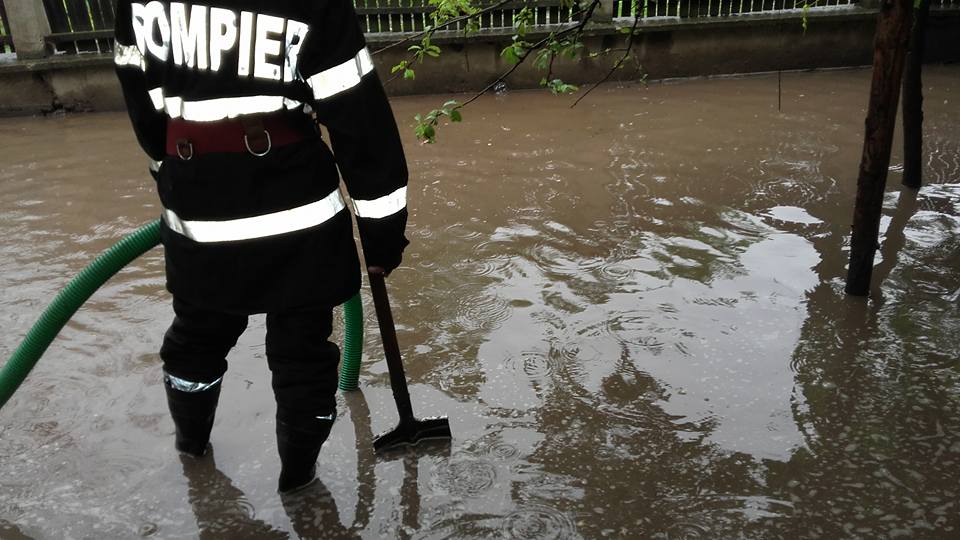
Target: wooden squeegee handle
(391, 349)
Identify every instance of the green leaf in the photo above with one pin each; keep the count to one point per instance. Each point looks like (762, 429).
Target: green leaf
(572, 50)
(542, 61)
(455, 116)
(510, 54)
(409, 74)
(557, 86)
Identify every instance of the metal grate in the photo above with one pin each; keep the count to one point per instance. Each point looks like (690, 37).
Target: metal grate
(6, 40)
(393, 15)
(377, 16)
(81, 26)
(716, 8)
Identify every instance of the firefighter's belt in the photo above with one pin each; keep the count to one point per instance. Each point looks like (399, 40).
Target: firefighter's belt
(256, 134)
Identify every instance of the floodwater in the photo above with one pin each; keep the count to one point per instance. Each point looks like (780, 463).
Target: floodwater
(632, 313)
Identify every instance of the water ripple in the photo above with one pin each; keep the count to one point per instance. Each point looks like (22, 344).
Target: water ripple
(496, 265)
(535, 365)
(538, 522)
(486, 312)
(502, 450)
(464, 477)
(686, 530)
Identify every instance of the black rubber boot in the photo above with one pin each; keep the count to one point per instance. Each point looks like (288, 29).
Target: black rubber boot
(299, 438)
(192, 414)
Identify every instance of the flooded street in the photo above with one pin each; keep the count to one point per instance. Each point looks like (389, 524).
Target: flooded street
(632, 313)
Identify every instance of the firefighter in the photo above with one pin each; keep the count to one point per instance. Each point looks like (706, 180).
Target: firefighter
(224, 97)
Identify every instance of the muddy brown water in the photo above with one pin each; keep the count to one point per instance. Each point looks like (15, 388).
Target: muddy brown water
(631, 311)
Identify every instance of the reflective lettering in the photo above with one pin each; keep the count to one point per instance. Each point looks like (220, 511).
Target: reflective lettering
(199, 37)
(189, 40)
(267, 25)
(223, 35)
(139, 23)
(246, 31)
(156, 16)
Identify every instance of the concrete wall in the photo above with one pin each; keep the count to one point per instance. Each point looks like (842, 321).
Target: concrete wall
(666, 49)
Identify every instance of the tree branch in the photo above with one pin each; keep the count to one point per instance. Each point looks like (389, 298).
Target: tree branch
(626, 53)
(579, 29)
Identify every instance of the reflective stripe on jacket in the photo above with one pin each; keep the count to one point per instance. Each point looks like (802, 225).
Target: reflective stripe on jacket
(231, 218)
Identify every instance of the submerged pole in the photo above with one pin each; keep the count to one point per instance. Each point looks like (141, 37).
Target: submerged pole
(913, 100)
(889, 51)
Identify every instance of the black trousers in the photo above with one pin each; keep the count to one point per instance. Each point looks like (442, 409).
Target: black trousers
(302, 361)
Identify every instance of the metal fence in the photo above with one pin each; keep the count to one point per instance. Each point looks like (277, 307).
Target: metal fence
(6, 41)
(81, 25)
(378, 16)
(715, 8)
(87, 25)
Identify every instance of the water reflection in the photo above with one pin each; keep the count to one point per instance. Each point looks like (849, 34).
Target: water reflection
(640, 333)
(313, 514)
(220, 508)
(11, 531)
(879, 415)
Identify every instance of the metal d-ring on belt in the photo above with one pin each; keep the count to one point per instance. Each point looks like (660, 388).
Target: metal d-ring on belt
(256, 134)
(255, 137)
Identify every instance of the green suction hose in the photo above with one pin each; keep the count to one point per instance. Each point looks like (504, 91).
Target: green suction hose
(80, 288)
(352, 343)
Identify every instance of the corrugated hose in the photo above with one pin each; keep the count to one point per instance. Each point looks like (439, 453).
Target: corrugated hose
(80, 288)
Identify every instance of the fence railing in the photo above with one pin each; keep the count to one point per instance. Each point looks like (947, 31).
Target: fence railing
(378, 16)
(715, 8)
(79, 26)
(6, 40)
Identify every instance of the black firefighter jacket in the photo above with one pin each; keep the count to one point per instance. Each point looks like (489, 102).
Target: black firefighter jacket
(253, 234)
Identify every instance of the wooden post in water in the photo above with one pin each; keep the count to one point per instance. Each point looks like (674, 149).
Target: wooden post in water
(889, 51)
(913, 101)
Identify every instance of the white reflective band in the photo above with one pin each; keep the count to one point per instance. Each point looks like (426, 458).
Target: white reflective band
(295, 219)
(211, 110)
(184, 385)
(155, 165)
(128, 55)
(383, 206)
(339, 78)
(156, 96)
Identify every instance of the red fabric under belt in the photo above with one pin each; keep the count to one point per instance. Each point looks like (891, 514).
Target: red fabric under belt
(229, 135)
